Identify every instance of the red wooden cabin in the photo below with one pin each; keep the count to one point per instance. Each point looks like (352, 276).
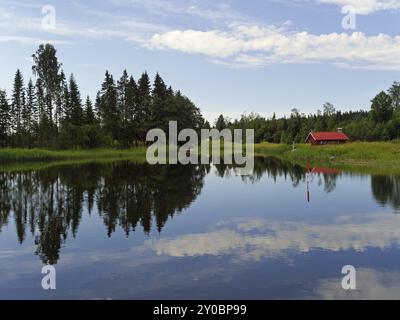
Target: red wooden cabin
(321, 138)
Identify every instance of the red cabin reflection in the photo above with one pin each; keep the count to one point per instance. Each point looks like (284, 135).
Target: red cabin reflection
(317, 170)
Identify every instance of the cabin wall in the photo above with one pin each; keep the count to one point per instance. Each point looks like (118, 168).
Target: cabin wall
(324, 142)
(311, 140)
(314, 142)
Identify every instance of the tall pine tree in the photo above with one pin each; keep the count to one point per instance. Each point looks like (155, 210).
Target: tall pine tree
(108, 107)
(89, 116)
(17, 103)
(143, 107)
(122, 89)
(75, 103)
(47, 69)
(32, 113)
(159, 116)
(5, 119)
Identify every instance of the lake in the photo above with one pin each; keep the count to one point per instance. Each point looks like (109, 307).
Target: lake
(123, 230)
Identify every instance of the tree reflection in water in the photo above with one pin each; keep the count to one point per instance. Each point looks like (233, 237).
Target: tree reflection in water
(386, 190)
(49, 203)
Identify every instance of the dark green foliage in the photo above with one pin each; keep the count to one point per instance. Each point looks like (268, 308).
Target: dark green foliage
(5, 121)
(108, 107)
(143, 107)
(382, 108)
(17, 105)
(47, 69)
(394, 93)
(51, 114)
(75, 115)
(381, 123)
(220, 124)
(89, 116)
(128, 196)
(31, 115)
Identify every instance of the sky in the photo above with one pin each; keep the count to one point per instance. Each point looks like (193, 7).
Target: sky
(230, 56)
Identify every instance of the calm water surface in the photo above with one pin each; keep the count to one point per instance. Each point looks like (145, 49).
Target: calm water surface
(134, 231)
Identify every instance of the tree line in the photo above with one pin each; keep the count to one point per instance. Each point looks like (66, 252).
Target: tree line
(50, 112)
(380, 123)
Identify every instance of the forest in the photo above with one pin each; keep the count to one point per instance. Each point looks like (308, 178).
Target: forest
(49, 112)
(380, 123)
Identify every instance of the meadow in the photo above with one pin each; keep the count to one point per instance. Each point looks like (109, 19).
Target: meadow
(372, 157)
(14, 155)
(369, 157)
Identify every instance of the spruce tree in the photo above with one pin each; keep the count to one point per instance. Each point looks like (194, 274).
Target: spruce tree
(122, 88)
(5, 119)
(32, 115)
(158, 105)
(220, 124)
(143, 108)
(75, 103)
(109, 107)
(17, 104)
(89, 116)
(131, 103)
(62, 101)
(97, 107)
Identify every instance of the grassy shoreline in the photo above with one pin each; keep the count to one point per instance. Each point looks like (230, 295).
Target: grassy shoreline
(371, 157)
(18, 155)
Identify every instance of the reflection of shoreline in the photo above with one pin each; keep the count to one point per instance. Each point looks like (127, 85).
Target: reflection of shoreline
(256, 239)
(386, 190)
(49, 203)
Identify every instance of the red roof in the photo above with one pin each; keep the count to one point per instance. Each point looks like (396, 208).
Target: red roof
(325, 170)
(328, 136)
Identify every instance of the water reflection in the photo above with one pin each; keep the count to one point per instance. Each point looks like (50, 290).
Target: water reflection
(371, 285)
(234, 232)
(49, 203)
(386, 190)
(272, 167)
(259, 238)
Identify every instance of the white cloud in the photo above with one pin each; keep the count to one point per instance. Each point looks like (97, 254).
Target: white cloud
(235, 42)
(276, 238)
(205, 9)
(255, 46)
(364, 6)
(212, 43)
(113, 26)
(371, 284)
(31, 40)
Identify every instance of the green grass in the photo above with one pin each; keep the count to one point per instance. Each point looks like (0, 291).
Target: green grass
(373, 157)
(368, 157)
(10, 155)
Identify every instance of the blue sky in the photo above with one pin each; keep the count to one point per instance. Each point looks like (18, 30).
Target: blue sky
(228, 56)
